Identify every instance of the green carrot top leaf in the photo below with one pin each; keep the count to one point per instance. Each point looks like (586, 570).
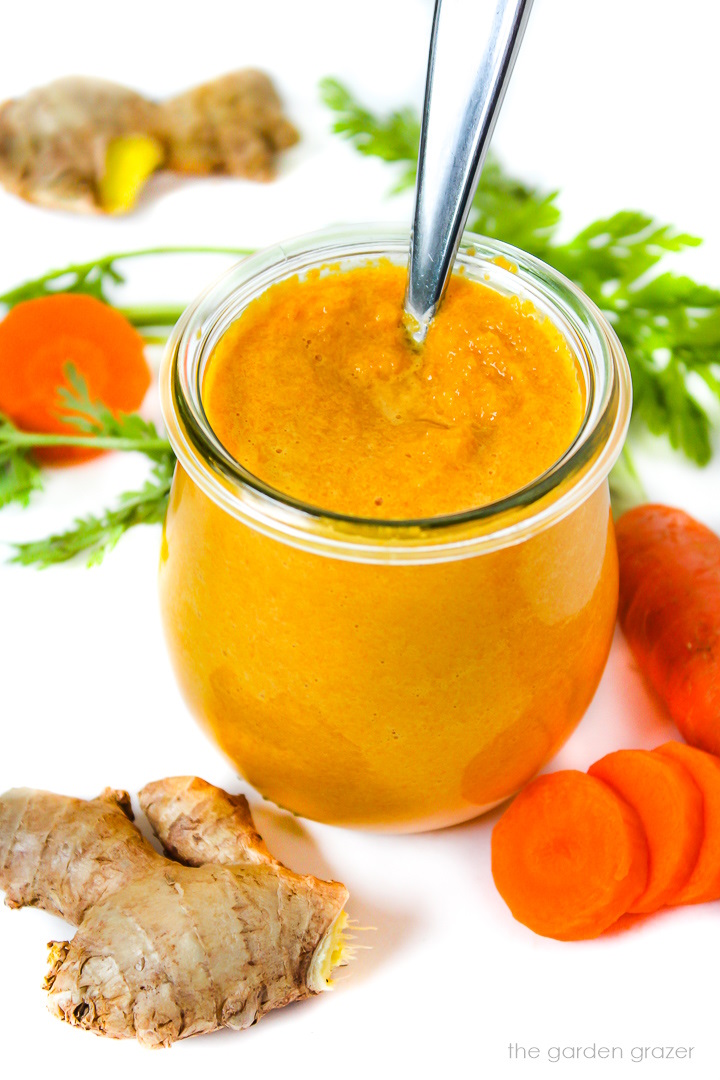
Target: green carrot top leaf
(95, 419)
(19, 473)
(394, 138)
(93, 424)
(98, 276)
(95, 535)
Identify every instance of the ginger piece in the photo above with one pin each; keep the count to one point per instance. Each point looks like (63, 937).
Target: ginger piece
(59, 145)
(167, 949)
(232, 125)
(197, 823)
(90, 145)
(129, 162)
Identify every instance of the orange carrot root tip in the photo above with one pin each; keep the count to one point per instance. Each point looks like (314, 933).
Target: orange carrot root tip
(670, 614)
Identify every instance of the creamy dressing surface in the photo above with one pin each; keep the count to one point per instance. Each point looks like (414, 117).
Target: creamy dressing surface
(317, 390)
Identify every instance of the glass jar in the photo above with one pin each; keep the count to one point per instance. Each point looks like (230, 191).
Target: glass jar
(401, 675)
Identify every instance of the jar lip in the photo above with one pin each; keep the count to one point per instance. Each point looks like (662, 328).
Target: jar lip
(549, 497)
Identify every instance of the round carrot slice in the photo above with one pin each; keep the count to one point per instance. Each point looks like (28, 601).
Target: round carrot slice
(670, 807)
(40, 338)
(569, 856)
(704, 881)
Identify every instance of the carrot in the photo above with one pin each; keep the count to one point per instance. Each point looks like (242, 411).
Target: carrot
(569, 856)
(670, 613)
(39, 338)
(670, 807)
(704, 882)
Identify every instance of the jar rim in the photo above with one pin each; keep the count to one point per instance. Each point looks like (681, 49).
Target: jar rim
(510, 520)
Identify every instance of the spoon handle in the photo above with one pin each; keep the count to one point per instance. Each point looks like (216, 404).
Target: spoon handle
(473, 49)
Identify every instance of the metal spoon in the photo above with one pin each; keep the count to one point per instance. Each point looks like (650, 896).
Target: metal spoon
(473, 49)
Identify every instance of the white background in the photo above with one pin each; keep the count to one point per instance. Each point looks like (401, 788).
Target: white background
(616, 104)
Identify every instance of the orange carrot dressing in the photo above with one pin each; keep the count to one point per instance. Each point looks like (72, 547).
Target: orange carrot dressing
(368, 694)
(318, 391)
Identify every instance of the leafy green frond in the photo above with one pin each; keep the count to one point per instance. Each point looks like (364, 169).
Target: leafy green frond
(515, 215)
(94, 536)
(19, 472)
(393, 138)
(96, 419)
(665, 404)
(96, 277)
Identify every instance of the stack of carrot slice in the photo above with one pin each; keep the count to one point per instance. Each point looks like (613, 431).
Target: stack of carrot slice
(639, 831)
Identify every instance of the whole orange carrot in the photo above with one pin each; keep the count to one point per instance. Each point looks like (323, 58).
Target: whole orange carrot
(670, 613)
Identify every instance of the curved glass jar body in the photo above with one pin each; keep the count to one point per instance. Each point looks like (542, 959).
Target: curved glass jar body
(405, 675)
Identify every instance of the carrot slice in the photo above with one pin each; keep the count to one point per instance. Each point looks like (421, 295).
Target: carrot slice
(39, 338)
(704, 882)
(569, 856)
(670, 614)
(670, 807)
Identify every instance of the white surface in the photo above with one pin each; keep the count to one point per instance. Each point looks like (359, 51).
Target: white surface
(616, 104)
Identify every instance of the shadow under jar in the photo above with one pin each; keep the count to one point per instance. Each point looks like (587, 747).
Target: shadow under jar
(396, 675)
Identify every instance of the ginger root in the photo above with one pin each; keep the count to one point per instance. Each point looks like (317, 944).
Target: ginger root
(233, 125)
(57, 141)
(87, 144)
(215, 936)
